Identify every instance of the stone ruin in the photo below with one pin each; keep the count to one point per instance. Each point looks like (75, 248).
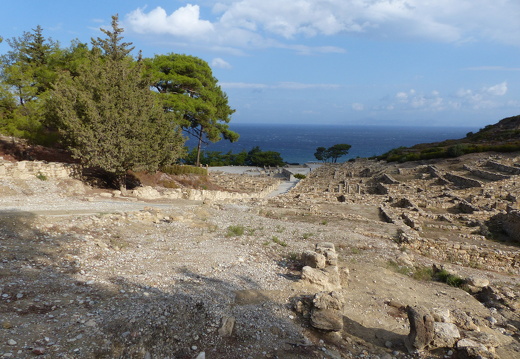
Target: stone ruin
(429, 328)
(320, 272)
(447, 210)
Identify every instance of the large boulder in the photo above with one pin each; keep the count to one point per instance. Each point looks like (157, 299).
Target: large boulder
(421, 328)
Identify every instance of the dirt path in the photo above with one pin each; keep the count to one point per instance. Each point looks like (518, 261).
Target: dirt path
(105, 278)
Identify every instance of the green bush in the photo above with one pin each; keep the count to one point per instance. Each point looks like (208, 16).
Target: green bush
(235, 231)
(448, 278)
(300, 176)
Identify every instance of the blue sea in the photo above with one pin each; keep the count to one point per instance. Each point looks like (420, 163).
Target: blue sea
(297, 143)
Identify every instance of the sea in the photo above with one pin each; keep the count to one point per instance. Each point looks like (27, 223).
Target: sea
(297, 143)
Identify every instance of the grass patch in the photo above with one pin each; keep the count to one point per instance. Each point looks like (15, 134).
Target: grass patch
(356, 250)
(423, 273)
(279, 241)
(448, 278)
(235, 231)
(41, 176)
(426, 273)
(395, 267)
(307, 235)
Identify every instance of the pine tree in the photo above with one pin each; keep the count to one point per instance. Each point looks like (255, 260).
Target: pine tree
(188, 88)
(109, 117)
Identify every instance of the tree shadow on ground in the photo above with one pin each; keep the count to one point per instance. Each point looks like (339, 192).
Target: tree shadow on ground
(377, 337)
(48, 303)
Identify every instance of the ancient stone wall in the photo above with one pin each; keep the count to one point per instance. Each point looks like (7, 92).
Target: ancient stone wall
(462, 181)
(503, 168)
(28, 169)
(490, 176)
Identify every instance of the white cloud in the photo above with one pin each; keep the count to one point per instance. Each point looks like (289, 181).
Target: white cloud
(358, 106)
(414, 100)
(184, 22)
(402, 96)
(220, 63)
(497, 90)
(272, 23)
(484, 98)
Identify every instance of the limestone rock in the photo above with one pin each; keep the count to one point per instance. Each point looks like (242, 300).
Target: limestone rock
(441, 315)
(328, 250)
(327, 319)
(328, 300)
(226, 329)
(463, 320)
(479, 282)
(445, 334)
(313, 259)
(471, 349)
(315, 276)
(421, 328)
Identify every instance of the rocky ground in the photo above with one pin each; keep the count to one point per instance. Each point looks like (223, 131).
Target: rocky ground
(85, 275)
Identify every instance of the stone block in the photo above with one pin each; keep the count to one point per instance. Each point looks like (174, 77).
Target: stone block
(327, 319)
(313, 259)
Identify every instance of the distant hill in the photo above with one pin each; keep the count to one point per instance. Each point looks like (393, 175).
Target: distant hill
(503, 136)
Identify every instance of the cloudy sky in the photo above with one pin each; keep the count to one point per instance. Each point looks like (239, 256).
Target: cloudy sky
(380, 62)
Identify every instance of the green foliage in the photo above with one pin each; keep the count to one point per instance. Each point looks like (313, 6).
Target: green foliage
(299, 176)
(41, 176)
(426, 273)
(235, 231)
(457, 150)
(255, 157)
(501, 137)
(186, 87)
(279, 241)
(332, 153)
(395, 267)
(109, 117)
(448, 278)
(184, 170)
(423, 273)
(26, 73)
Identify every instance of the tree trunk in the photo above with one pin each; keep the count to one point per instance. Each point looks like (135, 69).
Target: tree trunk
(199, 145)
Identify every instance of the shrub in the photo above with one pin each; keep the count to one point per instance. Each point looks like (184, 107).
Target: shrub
(423, 273)
(235, 231)
(448, 278)
(300, 176)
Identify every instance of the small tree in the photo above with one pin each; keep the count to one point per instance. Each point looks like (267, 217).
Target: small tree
(332, 153)
(257, 157)
(108, 116)
(27, 72)
(321, 154)
(338, 151)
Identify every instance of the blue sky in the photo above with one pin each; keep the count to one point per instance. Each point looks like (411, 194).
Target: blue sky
(352, 62)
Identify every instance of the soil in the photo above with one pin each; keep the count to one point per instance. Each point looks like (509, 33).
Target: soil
(83, 276)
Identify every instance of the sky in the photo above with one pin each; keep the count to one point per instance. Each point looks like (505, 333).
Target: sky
(346, 62)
